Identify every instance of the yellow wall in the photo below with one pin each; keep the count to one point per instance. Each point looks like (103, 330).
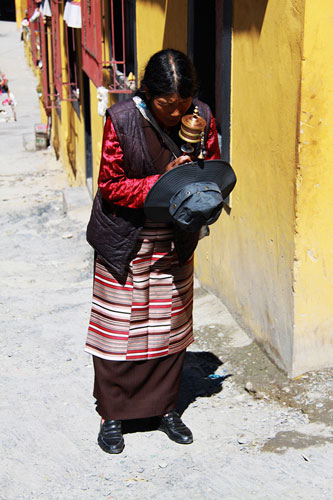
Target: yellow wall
(160, 25)
(75, 146)
(314, 233)
(97, 126)
(20, 7)
(248, 260)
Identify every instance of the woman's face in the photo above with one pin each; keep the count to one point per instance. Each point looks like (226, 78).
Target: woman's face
(169, 109)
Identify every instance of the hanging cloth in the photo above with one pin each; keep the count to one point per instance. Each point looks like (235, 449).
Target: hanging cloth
(46, 9)
(72, 14)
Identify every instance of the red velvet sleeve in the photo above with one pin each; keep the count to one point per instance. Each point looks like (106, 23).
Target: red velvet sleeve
(212, 144)
(112, 181)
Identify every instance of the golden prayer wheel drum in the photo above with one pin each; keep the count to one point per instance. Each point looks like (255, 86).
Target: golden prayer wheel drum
(192, 130)
(192, 126)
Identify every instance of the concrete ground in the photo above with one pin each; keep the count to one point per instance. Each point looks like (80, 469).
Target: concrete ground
(257, 434)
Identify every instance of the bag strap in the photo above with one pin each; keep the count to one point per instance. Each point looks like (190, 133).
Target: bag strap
(146, 113)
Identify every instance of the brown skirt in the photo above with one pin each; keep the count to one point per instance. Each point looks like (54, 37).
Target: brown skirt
(137, 389)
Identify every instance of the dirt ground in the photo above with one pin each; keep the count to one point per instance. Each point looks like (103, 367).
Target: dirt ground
(257, 434)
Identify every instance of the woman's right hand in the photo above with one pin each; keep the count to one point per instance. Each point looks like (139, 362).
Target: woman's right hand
(178, 161)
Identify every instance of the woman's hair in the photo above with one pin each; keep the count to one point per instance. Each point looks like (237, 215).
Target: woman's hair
(169, 71)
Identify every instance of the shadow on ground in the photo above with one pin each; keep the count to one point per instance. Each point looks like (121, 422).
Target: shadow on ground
(198, 380)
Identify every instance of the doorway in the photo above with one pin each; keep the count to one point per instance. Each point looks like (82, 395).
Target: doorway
(209, 47)
(7, 10)
(87, 131)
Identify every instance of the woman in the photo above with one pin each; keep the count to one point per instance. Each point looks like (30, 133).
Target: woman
(141, 319)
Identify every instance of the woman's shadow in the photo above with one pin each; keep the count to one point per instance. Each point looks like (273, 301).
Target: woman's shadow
(198, 380)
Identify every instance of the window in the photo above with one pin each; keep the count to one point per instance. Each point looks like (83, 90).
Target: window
(122, 62)
(109, 63)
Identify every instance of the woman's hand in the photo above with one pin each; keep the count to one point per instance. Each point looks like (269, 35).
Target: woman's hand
(178, 161)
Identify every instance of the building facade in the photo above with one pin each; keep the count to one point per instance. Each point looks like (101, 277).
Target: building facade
(262, 67)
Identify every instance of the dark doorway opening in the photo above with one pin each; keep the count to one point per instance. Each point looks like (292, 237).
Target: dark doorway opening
(7, 10)
(209, 47)
(73, 48)
(87, 130)
(202, 47)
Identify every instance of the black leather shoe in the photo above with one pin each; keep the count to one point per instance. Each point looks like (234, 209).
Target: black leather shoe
(175, 429)
(110, 437)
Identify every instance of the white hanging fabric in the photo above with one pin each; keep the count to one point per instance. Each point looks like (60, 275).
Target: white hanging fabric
(45, 8)
(72, 13)
(35, 16)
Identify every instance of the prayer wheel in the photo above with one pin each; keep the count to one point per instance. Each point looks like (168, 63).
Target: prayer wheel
(192, 132)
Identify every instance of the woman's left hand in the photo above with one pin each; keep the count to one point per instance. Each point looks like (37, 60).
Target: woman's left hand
(178, 161)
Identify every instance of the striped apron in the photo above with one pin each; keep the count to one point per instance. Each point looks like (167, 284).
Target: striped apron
(150, 316)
